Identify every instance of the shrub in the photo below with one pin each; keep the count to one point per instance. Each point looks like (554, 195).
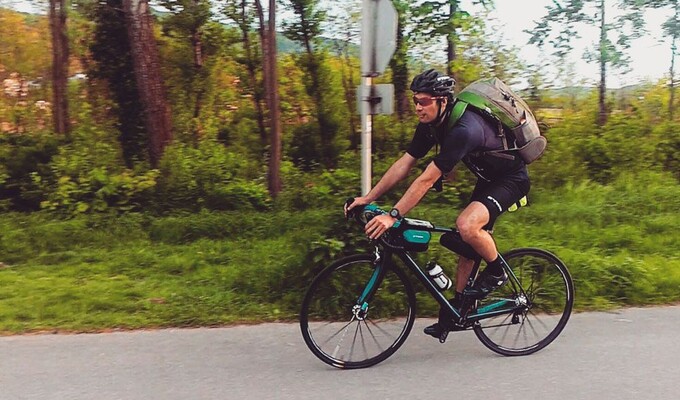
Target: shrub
(20, 157)
(208, 176)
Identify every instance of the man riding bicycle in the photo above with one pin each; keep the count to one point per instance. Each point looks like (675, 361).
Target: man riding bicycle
(501, 182)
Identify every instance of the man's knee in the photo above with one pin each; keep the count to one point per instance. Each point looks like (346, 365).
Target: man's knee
(464, 227)
(469, 228)
(472, 220)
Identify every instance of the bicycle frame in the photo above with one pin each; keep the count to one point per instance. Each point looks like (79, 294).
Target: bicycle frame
(384, 261)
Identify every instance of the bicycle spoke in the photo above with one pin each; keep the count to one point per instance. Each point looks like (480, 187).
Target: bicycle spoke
(546, 285)
(383, 331)
(339, 330)
(371, 340)
(337, 346)
(539, 320)
(363, 343)
(374, 337)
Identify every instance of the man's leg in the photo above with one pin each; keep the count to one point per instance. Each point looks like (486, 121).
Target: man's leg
(470, 224)
(463, 273)
(472, 220)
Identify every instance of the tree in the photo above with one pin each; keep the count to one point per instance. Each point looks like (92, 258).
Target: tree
(239, 12)
(566, 15)
(436, 18)
(187, 22)
(146, 65)
(671, 29)
(274, 179)
(110, 50)
(344, 27)
(305, 29)
(60, 57)
(399, 61)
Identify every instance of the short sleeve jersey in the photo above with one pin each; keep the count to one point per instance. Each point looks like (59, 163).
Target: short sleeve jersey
(466, 141)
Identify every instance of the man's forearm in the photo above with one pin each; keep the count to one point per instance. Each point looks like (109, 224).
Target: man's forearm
(397, 172)
(418, 189)
(412, 197)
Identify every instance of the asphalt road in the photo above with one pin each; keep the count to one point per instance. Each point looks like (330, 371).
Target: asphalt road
(628, 354)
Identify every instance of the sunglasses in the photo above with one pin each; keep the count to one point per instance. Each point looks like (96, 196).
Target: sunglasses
(425, 101)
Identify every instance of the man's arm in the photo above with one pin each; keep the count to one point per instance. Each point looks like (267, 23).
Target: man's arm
(418, 189)
(378, 225)
(397, 172)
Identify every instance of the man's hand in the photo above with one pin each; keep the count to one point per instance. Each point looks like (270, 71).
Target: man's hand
(358, 201)
(378, 225)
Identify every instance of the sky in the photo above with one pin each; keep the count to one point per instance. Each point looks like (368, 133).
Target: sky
(650, 56)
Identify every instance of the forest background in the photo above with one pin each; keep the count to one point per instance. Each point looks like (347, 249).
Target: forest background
(159, 169)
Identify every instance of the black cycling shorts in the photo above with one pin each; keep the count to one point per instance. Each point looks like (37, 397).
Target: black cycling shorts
(498, 196)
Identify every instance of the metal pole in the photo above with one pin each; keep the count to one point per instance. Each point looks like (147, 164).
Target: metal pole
(366, 133)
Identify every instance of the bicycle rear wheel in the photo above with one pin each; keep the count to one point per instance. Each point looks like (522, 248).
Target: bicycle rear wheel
(547, 293)
(346, 335)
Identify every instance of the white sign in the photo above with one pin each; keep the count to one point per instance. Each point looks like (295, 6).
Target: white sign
(378, 36)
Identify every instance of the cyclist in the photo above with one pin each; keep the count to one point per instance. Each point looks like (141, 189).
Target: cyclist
(501, 182)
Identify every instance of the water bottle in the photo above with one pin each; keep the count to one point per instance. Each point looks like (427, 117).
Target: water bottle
(438, 277)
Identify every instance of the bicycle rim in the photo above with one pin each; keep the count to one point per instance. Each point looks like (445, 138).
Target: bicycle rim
(547, 292)
(341, 336)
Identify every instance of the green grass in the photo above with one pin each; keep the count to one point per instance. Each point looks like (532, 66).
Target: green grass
(139, 271)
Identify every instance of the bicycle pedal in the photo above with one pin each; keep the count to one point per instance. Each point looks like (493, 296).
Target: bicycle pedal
(443, 336)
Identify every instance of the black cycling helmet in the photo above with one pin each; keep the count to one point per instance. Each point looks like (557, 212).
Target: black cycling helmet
(434, 83)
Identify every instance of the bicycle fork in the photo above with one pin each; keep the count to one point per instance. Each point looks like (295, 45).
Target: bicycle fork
(360, 309)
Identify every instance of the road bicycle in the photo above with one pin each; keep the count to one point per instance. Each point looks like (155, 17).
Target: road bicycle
(359, 310)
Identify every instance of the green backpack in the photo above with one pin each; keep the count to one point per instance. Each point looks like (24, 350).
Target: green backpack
(515, 120)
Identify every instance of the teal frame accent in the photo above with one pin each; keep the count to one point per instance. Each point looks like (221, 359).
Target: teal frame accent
(370, 285)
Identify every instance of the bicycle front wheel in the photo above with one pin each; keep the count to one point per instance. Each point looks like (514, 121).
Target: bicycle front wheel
(345, 334)
(545, 291)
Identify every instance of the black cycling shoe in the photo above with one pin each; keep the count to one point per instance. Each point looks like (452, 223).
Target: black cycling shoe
(437, 330)
(485, 284)
(433, 330)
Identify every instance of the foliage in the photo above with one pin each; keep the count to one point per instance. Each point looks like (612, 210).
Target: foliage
(86, 176)
(209, 176)
(20, 157)
(23, 41)
(668, 147)
(134, 270)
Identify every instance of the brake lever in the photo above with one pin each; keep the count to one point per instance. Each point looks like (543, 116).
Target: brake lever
(349, 214)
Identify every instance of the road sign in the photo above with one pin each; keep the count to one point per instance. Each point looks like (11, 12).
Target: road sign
(378, 36)
(376, 99)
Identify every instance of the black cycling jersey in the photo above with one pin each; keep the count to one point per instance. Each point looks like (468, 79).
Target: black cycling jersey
(466, 141)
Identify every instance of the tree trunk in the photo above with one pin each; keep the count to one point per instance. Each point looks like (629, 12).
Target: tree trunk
(197, 45)
(399, 66)
(348, 87)
(602, 116)
(146, 64)
(451, 38)
(60, 55)
(273, 102)
(671, 102)
(251, 66)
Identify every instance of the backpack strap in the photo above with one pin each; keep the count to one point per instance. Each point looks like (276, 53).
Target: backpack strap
(459, 108)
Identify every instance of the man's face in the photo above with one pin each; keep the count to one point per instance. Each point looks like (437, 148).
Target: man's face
(427, 106)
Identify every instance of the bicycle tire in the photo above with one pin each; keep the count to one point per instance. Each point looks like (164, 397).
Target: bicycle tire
(550, 292)
(327, 315)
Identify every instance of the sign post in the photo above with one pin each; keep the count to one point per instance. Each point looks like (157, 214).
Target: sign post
(378, 42)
